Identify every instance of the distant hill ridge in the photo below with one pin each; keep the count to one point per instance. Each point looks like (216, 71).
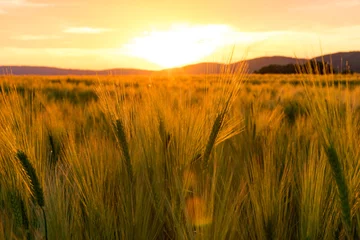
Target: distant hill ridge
(36, 70)
(339, 62)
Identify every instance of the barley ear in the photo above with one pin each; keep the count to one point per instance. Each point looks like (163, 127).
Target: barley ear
(19, 210)
(165, 136)
(121, 137)
(54, 153)
(36, 189)
(211, 142)
(341, 185)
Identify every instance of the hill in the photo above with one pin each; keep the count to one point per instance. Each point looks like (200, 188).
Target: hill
(31, 70)
(345, 62)
(254, 64)
(339, 61)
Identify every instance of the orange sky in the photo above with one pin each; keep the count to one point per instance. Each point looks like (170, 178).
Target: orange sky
(155, 34)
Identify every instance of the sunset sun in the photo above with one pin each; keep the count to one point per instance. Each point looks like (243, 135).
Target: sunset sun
(179, 45)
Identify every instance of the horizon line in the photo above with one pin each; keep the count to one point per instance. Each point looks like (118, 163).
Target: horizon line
(176, 67)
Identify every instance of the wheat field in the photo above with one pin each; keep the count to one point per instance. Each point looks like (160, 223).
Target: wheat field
(230, 156)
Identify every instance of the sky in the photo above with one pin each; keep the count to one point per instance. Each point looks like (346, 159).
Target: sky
(156, 34)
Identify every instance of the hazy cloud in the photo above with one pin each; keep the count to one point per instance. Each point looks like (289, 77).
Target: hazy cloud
(343, 32)
(69, 52)
(86, 30)
(27, 37)
(22, 3)
(349, 3)
(328, 5)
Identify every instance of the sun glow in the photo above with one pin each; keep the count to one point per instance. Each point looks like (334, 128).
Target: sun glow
(183, 44)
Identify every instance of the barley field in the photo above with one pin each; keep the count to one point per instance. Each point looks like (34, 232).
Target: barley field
(230, 156)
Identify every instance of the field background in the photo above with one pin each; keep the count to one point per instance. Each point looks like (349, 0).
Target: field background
(231, 156)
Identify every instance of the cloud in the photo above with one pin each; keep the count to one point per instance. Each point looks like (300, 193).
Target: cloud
(327, 5)
(348, 4)
(68, 52)
(345, 33)
(22, 3)
(27, 37)
(86, 30)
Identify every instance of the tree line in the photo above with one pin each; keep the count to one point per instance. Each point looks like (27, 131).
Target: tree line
(309, 67)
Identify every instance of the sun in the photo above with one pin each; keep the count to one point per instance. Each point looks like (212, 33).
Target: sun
(179, 45)
(183, 44)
